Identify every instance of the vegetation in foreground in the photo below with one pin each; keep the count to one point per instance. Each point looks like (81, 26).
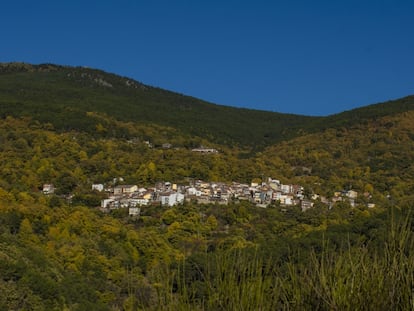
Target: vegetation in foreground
(204, 258)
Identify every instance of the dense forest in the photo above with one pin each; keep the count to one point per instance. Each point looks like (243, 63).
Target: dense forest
(73, 127)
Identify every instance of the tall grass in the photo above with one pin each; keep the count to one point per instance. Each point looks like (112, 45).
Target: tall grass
(359, 278)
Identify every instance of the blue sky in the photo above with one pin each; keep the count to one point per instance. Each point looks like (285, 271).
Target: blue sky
(303, 57)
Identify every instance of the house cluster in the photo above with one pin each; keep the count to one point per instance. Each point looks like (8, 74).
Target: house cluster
(170, 194)
(202, 149)
(201, 192)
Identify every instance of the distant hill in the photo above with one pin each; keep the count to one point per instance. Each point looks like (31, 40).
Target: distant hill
(365, 114)
(63, 95)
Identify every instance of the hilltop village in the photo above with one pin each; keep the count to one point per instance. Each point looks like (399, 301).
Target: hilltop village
(201, 192)
(263, 194)
(170, 194)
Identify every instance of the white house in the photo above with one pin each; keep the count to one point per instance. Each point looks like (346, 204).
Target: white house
(138, 202)
(352, 194)
(286, 188)
(286, 199)
(171, 198)
(105, 203)
(193, 191)
(98, 187)
(205, 150)
(48, 189)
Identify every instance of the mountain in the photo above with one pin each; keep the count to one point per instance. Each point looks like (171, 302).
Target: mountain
(94, 107)
(63, 95)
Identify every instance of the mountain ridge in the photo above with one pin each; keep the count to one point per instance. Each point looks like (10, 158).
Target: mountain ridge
(85, 89)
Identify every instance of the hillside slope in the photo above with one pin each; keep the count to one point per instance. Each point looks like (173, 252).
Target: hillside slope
(374, 156)
(62, 96)
(335, 150)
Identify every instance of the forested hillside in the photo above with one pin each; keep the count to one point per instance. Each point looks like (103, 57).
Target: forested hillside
(74, 127)
(375, 156)
(62, 96)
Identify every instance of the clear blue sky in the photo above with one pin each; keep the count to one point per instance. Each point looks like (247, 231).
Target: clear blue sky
(304, 57)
